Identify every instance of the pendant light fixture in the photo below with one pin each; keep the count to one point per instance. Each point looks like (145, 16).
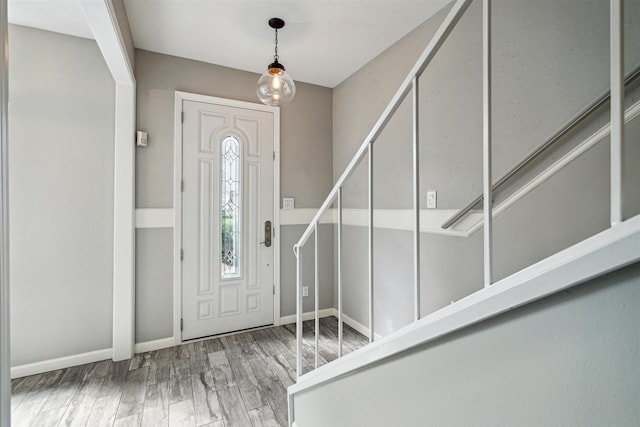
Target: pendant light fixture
(276, 87)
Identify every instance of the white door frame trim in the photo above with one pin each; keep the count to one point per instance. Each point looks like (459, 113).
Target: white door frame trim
(5, 341)
(177, 199)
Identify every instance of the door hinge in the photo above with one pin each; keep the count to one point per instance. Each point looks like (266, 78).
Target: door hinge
(274, 289)
(182, 117)
(181, 324)
(274, 155)
(181, 254)
(182, 185)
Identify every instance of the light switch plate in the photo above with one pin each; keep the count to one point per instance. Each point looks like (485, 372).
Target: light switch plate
(431, 199)
(288, 203)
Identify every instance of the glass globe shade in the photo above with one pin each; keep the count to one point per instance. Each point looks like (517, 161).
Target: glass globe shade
(276, 87)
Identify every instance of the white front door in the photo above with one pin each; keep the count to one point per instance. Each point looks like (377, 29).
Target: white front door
(227, 200)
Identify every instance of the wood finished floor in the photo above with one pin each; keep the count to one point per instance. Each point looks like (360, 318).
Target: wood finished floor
(236, 380)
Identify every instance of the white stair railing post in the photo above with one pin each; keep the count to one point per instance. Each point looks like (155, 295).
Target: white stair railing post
(339, 272)
(416, 201)
(617, 108)
(317, 292)
(296, 250)
(455, 14)
(371, 241)
(486, 141)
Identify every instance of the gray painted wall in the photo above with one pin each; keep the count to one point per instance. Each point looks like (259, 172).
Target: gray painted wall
(550, 60)
(393, 289)
(154, 290)
(61, 189)
(154, 274)
(289, 236)
(305, 170)
(631, 178)
(305, 124)
(568, 360)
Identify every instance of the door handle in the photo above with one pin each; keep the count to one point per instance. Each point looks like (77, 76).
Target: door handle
(267, 234)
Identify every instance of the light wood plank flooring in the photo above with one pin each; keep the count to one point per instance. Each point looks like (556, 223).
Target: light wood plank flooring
(235, 380)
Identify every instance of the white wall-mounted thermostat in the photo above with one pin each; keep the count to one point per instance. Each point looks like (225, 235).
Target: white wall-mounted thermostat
(141, 139)
(288, 203)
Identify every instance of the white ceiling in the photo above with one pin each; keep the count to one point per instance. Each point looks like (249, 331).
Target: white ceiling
(64, 16)
(323, 42)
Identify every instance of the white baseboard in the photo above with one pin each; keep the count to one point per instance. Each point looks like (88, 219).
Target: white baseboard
(364, 330)
(143, 347)
(60, 363)
(325, 312)
(98, 355)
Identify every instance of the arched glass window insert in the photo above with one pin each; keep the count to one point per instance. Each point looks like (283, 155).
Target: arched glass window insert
(231, 207)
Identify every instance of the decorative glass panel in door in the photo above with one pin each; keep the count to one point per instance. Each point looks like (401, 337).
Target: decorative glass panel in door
(231, 207)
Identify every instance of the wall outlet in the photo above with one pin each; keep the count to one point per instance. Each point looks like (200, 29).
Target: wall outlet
(305, 291)
(431, 199)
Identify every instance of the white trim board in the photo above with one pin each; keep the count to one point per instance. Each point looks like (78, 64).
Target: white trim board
(102, 20)
(154, 218)
(5, 306)
(276, 215)
(298, 216)
(177, 194)
(395, 219)
(123, 330)
(392, 219)
(402, 219)
(60, 363)
(607, 251)
(431, 220)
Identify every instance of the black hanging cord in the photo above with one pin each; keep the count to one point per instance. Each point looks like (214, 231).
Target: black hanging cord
(275, 57)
